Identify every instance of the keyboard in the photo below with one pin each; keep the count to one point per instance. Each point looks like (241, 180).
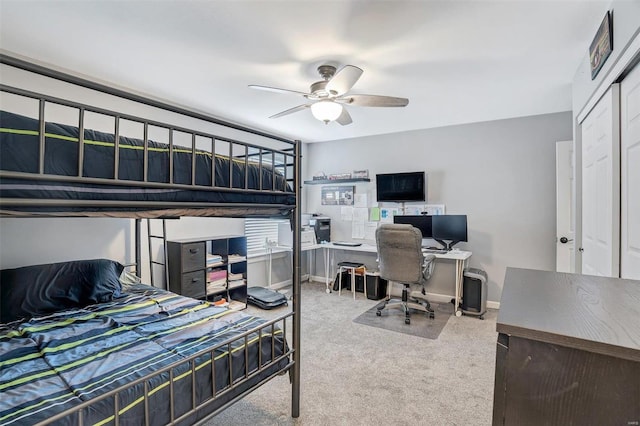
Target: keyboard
(346, 244)
(434, 251)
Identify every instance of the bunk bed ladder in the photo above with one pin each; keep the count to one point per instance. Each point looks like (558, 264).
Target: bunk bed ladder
(151, 236)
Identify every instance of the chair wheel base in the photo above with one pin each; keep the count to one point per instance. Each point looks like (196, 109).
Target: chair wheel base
(378, 313)
(407, 321)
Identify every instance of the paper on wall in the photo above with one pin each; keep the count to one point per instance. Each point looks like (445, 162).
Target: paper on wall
(346, 213)
(413, 210)
(434, 209)
(370, 230)
(374, 214)
(360, 200)
(360, 214)
(386, 215)
(357, 230)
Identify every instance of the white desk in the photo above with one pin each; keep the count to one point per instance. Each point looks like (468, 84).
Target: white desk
(461, 258)
(282, 249)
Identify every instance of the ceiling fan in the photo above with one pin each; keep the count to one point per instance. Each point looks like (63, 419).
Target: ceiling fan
(328, 96)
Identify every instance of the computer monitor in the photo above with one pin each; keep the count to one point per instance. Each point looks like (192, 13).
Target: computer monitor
(449, 229)
(422, 222)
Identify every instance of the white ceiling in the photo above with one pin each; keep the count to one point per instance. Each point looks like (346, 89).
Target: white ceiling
(457, 61)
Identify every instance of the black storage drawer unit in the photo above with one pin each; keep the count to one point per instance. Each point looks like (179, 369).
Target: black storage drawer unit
(193, 284)
(192, 256)
(211, 268)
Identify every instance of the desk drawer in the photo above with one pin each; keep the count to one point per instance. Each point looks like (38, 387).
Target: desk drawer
(193, 284)
(193, 256)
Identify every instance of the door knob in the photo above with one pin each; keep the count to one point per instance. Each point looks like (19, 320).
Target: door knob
(564, 240)
(580, 249)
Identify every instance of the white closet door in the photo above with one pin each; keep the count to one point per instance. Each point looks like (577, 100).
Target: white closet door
(601, 187)
(630, 175)
(565, 230)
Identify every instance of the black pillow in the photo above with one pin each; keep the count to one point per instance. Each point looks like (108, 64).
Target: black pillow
(43, 289)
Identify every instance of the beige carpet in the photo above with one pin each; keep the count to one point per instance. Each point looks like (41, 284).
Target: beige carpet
(353, 374)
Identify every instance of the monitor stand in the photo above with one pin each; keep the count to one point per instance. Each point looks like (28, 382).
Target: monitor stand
(448, 246)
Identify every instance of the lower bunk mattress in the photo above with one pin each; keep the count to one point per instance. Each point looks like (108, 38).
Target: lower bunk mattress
(52, 363)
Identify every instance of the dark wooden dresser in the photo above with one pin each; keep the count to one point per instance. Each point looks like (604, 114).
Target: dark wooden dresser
(568, 350)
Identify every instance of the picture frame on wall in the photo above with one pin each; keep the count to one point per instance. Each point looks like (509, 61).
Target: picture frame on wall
(602, 45)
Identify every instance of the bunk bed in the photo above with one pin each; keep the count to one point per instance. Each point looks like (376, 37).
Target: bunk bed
(163, 358)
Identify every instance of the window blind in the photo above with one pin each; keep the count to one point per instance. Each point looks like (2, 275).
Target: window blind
(258, 231)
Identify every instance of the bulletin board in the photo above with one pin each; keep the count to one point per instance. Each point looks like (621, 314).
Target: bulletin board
(337, 195)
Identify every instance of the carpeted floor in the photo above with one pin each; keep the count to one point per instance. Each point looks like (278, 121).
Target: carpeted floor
(354, 374)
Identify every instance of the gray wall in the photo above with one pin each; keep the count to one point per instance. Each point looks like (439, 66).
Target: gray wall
(500, 173)
(29, 241)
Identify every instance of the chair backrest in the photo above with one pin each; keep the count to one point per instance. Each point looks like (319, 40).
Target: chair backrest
(400, 253)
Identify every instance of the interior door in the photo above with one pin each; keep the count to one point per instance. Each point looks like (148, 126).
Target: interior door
(601, 187)
(564, 212)
(630, 175)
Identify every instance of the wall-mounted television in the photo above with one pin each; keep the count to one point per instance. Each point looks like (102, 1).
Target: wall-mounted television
(400, 187)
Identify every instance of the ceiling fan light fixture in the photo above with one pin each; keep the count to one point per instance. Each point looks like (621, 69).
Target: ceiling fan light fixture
(326, 110)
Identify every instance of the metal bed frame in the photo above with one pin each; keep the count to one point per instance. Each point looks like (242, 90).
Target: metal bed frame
(292, 161)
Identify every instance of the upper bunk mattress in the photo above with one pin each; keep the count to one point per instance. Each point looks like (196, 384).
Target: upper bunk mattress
(234, 181)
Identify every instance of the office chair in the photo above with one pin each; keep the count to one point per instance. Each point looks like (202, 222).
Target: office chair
(401, 260)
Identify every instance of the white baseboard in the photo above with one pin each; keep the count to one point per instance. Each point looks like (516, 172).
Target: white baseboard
(493, 305)
(435, 297)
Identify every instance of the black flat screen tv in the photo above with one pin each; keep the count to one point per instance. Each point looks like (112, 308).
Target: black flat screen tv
(400, 187)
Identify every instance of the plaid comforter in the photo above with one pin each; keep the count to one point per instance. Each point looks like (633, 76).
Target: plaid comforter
(52, 363)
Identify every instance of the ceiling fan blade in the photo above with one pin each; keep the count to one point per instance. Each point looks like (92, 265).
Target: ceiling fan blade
(374, 101)
(344, 118)
(278, 90)
(343, 80)
(291, 110)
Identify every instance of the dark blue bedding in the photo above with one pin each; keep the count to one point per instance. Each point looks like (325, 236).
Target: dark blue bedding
(51, 363)
(19, 152)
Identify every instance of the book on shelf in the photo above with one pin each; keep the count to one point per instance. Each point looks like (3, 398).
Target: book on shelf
(234, 277)
(236, 258)
(217, 283)
(213, 286)
(217, 274)
(237, 283)
(214, 259)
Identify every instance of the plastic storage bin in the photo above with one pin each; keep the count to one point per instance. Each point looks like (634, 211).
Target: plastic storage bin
(376, 286)
(474, 292)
